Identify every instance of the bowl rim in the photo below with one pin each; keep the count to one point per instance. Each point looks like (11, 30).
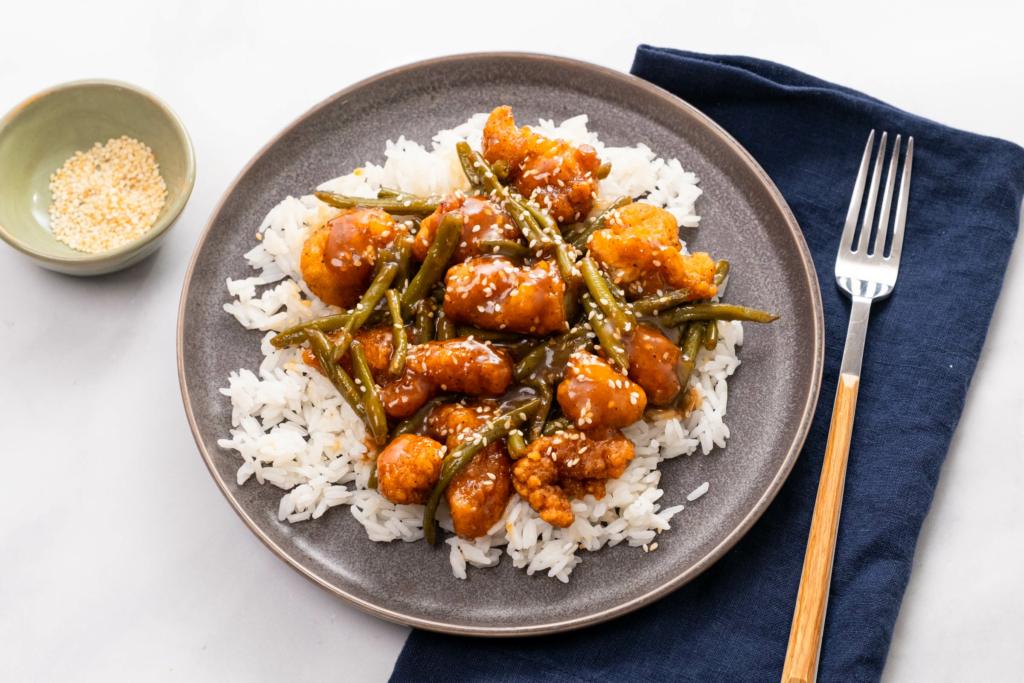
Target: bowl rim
(160, 227)
(779, 478)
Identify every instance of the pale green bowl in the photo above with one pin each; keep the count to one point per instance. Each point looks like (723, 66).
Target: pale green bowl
(41, 133)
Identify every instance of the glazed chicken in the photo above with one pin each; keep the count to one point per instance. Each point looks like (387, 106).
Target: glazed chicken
(654, 364)
(640, 249)
(478, 495)
(570, 464)
(493, 293)
(408, 469)
(596, 396)
(337, 259)
(482, 220)
(560, 177)
(457, 365)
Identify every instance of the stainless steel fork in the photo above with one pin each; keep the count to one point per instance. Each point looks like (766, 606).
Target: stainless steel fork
(866, 274)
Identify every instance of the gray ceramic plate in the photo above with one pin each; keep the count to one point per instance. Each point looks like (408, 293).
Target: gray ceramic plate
(744, 219)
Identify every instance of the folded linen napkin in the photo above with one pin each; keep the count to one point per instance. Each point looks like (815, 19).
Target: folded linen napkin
(732, 623)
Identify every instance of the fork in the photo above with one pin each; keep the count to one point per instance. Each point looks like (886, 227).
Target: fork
(866, 276)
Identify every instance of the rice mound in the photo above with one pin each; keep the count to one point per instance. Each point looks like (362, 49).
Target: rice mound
(292, 428)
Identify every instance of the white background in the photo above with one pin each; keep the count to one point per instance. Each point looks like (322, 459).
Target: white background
(119, 558)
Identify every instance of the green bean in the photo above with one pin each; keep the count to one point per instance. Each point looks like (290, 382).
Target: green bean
(321, 347)
(505, 248)
(501, 169)
(721, 272)
(498, 428)
(692, 338)
(711, 335)
(540, 416)
(466, 158)
(416, 423)
(704, 311)
(652, 304)
(564, 253)
(375, 416)
(400, 253)
(603, 170)
(444, 328)
(399, 338)
(613, 310)
(297, 333)
(435, 265)
(620, 298)
(528, 225)
(518, 348)
(488, 180)
(579, 240)
(411, 205)
(424, 321)
(361, 313)
(543, 218)
(533, 359)
(605, 334)
(516, 444)
(556, 425)
(487, 335)
(388, 192)
(371, 482)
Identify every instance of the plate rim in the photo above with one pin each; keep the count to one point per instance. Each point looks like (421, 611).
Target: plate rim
(623, 608)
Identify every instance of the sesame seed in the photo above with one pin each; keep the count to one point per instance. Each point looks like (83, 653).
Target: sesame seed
(106, 197)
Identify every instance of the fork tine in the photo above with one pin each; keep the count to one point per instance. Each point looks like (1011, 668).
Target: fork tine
(883, 215)
(869, 209)
(858, 193)
(901, 207)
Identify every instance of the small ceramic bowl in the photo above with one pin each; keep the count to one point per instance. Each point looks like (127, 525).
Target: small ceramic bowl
(41, 133)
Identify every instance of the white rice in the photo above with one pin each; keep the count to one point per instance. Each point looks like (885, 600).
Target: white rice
(292, 429)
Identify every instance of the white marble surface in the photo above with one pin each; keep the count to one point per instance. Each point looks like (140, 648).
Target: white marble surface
(120, 560)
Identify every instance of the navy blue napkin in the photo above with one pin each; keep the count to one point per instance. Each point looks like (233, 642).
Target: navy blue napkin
(732, 623)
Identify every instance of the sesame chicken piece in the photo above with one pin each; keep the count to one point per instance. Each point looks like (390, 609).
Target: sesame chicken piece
(594, 395)
(482, 219)
(337, 259)
(480, 492)
(535, 480)
(408, 469)
(463, 365)
(570, 464)
(560, 177)
(641, 251)
(654, 364)
(493, 293)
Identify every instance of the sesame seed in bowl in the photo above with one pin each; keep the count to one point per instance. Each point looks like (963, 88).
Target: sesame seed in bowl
(96, 172)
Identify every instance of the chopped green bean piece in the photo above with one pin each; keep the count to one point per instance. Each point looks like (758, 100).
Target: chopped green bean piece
(374, 409)
(556, 425)
(605, 334)
(409, 204)
(707, 311)
(435, 265)
(711, 335)
(579, 239)
(516, 444)
(321, 347)
(399, 338)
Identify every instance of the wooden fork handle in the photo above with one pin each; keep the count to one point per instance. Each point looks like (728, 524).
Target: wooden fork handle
(809, 616)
